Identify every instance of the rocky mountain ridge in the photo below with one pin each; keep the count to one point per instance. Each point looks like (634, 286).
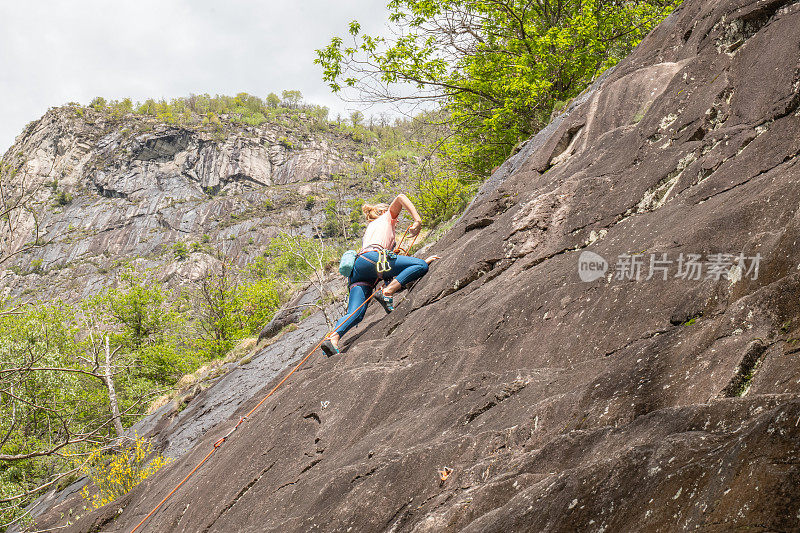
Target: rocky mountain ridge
(107, 191)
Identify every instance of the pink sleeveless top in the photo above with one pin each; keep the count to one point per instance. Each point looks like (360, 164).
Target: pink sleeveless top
(380, 231)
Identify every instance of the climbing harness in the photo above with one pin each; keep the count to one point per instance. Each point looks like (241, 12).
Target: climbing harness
(241, 421)
(381, 265)
(349, 258)
(397, 250)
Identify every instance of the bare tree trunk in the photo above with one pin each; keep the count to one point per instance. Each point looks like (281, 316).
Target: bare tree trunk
(112, 394)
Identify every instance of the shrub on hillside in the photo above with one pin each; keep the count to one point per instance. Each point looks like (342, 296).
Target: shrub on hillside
(114, 475)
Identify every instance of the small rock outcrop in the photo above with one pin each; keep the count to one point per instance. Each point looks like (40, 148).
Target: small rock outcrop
(608, 344)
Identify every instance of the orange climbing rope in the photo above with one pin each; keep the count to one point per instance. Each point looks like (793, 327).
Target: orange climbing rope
(219, 442)
(405, 251)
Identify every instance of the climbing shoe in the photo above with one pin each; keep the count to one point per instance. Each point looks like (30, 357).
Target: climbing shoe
(328, 348)
(387, 302)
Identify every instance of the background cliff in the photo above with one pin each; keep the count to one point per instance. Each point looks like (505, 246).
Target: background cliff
(629, 402)
(110, 187)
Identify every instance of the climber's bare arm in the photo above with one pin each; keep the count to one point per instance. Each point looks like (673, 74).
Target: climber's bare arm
(397, 205)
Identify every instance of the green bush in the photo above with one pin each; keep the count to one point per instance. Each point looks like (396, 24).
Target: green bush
(257, 303)
(98, 103)
(273, 100)
(388, 166)
(36, 265)
(180, 250)
(332, 226)
(440, 198)
(63, 198)
(294, 258)
(114, 475)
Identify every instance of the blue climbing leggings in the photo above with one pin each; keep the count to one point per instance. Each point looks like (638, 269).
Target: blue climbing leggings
(404, 269)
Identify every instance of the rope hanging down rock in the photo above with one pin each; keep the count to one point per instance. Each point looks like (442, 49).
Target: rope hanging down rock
(241, 421)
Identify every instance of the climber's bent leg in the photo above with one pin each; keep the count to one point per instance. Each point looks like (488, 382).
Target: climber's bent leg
(405, 269)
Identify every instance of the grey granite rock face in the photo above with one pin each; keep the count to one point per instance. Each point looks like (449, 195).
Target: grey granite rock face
(112, 191)
(617, 404)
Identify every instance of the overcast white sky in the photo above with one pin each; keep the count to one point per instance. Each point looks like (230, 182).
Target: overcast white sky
(53, 52)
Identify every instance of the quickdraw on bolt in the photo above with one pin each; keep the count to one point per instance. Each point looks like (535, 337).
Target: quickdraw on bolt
(382, 265)
(234, 428)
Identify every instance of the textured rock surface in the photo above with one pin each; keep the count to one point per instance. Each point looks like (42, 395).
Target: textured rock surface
(211, 401)
(561, 405)
(133, 187)
(178, 432)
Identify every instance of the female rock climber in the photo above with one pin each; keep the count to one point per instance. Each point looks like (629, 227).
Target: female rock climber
(379, 236)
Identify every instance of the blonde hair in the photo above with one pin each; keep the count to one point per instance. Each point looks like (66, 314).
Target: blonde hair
(374, 211)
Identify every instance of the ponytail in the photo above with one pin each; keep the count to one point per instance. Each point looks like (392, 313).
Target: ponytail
(371, 212)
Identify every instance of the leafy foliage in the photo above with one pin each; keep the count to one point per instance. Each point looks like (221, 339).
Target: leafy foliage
(292, 259)
(497, 68)
(114, 475)
(74, 377)
(180, 250)
(48, 402)
(441, 197)
(211, 112)
(230, 304)
(137, 310)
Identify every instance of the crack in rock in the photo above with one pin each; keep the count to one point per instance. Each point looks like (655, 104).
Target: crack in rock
(239, 495)
(745, 372)
(507, 392)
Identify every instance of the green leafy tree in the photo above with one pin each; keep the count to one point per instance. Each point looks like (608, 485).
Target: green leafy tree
(138, 309)
(440, 197)
(180, 250)
(228, 308)
(53, 403)
(498, 68)
(292, 99)
(293, 258)
(98, 103)
(334, 226)
(256, 304)
(273, 100)
(356, 118)
(137, 333)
